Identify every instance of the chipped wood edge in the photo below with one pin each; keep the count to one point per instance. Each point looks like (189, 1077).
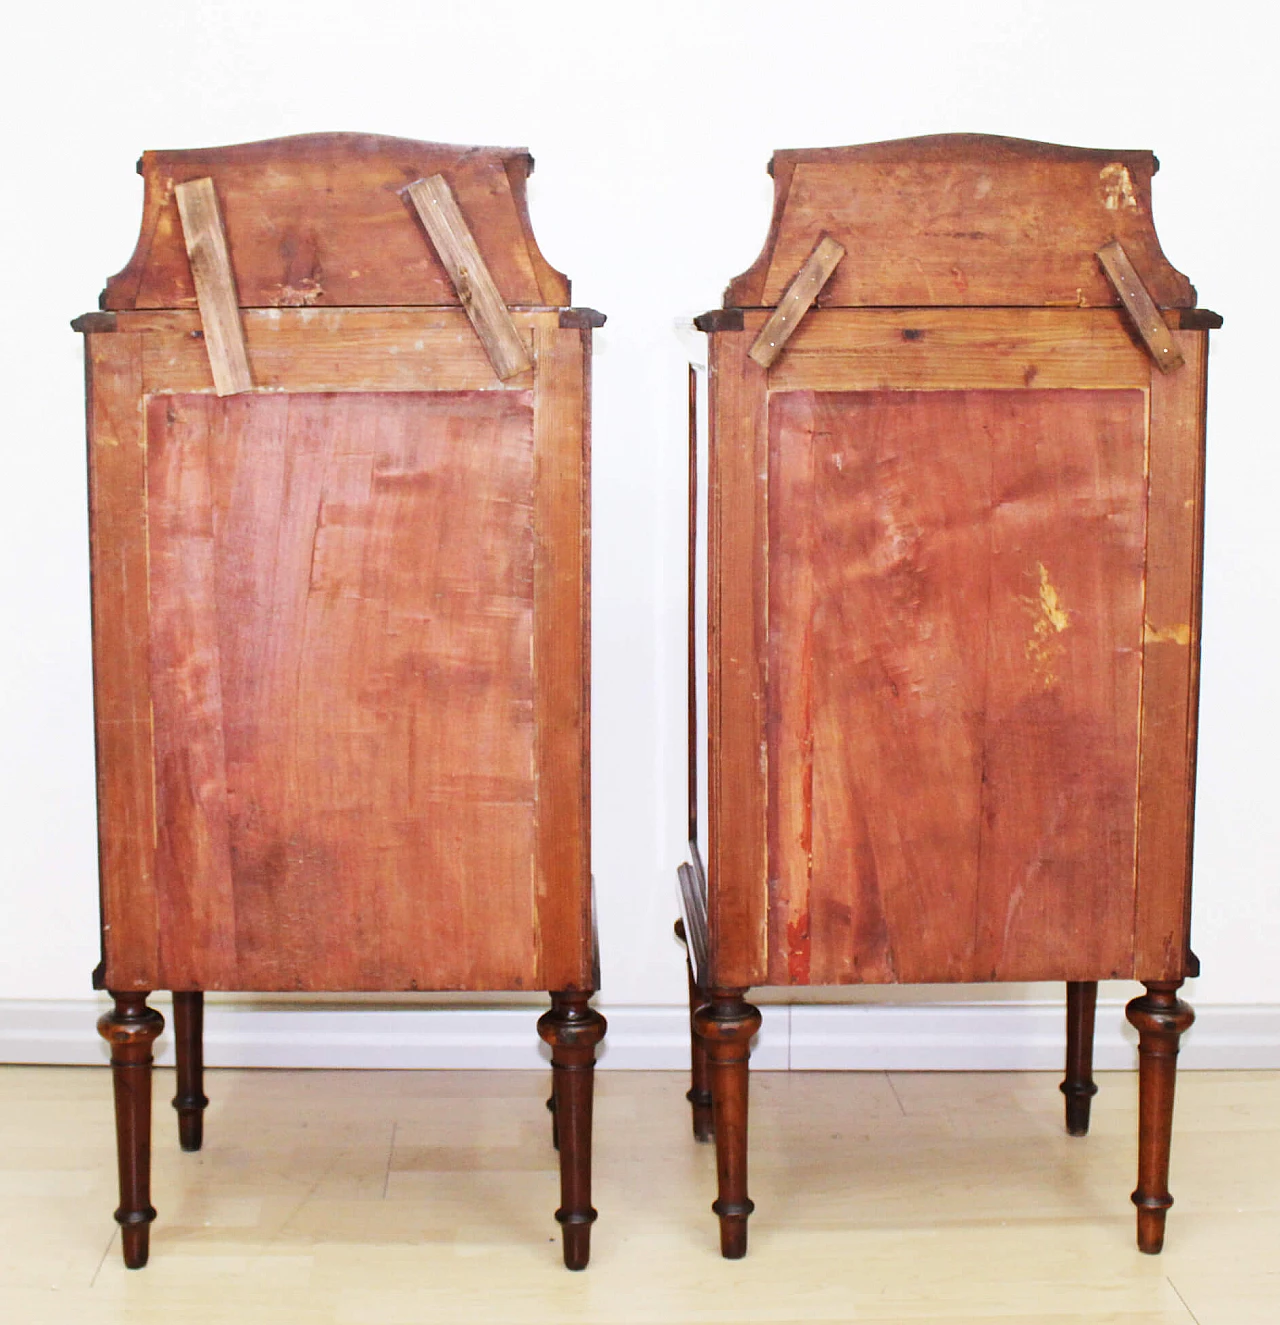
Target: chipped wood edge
(1140, 306)
(438, 211)
(206, 243)
(797, 301)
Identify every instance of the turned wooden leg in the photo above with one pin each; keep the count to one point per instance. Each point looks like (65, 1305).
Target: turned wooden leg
(1078, 1085)
(573, 1029)
(1160, 1018)
(726, 1024)
(130, 1029)
(699, 1092)
(190, 1101)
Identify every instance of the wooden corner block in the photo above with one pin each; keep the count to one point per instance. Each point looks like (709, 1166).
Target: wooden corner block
(1140, 306)
(795, 303)
(438, 210)
(215, 282)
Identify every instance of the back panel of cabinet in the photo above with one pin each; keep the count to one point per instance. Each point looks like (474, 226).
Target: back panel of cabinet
(954, 667)
(341, 596)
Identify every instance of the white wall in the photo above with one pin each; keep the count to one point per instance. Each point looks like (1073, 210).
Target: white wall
(651, 124)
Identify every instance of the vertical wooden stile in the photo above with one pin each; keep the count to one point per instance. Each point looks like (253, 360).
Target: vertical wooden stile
(561, 635)
(121, 663)
(738, 538)
(1171, 646)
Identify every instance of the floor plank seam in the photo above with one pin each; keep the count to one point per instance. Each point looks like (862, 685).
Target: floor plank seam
(1183, 1300)
(391, 1150)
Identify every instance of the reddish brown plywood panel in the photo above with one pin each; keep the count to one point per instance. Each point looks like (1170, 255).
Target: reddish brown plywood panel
(361, 714)
(1063, 679)
(952, 761)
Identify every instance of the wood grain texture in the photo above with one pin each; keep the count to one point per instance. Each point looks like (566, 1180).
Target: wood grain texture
(934, 349)
(961, 220)
(121, 626)
(318, 220)
(1171, 665)
(955, 634)
(738, 559)
(457, 250)
(215, 282)
(342, 603)
(561, 651)
(796, 302)
(331, 349)
(1140, 306)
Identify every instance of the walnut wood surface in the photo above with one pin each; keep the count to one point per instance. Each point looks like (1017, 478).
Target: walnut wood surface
(331, 577)
(573, 1029)
(188, 1042)
(955, 625)
(962, 220)
(1078, 1086)
(1160, 1018)
(725, 1025)
(131, 1028)
(319, 220)
(304, 349)
(1171, 665)
(1081, 458)
(121, 667)
(737, 575)
(341, 614)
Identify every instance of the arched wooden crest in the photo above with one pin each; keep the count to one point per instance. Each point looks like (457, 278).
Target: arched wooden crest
(320, 221)
(961, 220)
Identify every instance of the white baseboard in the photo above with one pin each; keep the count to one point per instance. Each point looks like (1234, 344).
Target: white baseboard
(811, 1037)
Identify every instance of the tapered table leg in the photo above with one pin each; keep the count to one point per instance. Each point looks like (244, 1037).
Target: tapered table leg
(726, 1024)
(190, 1101)
(1160, 1018)
(130, 1029)
(573, 1029)
(1078, 1084)
(699, 1092)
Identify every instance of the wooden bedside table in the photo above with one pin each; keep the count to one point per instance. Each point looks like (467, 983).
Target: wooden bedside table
(339, 437)
(955, 525)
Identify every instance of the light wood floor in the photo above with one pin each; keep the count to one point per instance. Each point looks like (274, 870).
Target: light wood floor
(363, 1198)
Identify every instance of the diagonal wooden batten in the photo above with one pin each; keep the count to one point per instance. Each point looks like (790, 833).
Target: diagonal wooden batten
(795, 303)
(448, 231)
(215, 282)
(1140, 306)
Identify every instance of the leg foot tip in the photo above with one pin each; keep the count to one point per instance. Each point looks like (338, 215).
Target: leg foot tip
(733, 1237)
(733, 1246)
(1151, 1225)
(577, 1246)
(136, 1247)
